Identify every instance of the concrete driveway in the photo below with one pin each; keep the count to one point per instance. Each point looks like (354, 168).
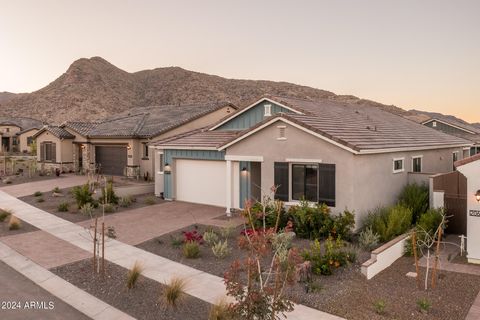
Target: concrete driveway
(25, 189)
(139, 225)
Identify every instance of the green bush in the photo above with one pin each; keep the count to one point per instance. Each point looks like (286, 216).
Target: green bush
(270, 216)
(210, 238)
(4, 215)
(108, 194)
(82, 195)
(125, 202)
(335, 256)
(63, 207)
(430, 220)
(379, 306)
(87, 209)
(416, 198)
(221, 249)
(56, 190)
(38, 194)
(150, 201)
(389, 222)
(368, 239)
(191, 250)
(109, 208)
(343, 224)
(424, 305)
(40, 199)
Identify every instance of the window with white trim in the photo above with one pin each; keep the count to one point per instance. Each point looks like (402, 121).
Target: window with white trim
(267, 110)
(417, 164)
(398, 165)
(434, 124)
(454, 158)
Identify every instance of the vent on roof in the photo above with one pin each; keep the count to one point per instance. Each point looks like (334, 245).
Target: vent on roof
(267, 110)
(434, 124)
(282, 132)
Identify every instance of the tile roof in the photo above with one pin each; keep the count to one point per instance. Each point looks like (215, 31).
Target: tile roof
(24, 123)
(467, 160)
(82, 128)
(57, 131)
(201, 138)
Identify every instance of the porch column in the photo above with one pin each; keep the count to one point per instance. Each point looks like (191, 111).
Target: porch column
(229, 188)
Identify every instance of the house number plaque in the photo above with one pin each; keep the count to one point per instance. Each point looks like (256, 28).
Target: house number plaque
(475, 213)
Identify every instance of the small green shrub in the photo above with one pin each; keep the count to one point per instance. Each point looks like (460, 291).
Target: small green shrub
(416, 198)
(424, 305)
(221, 249)
(109, 208)
(133, 275)
(56, 190)
(174, 291)
(82, 195)
(343, 224)
(380, 306)
(270, 216)
(40, 200)
(87, 209)
(38, 194)
(227, 231)
(125, 202)
(210, 237)
(150, 201)
(368, 239)
(176, 242)
(14, 223)
(389, 222)
(282, 240)
(108, 194)
(4, 214)
(191, 250)
(325, 263)
(430, 220)
(63, 207)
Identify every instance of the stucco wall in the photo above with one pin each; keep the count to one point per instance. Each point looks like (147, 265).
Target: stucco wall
(23, 140)
(48, 137)
(472, 172)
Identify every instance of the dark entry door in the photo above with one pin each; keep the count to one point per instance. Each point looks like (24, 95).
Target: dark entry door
(111, 159)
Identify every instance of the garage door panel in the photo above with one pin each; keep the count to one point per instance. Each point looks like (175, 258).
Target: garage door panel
(201, 181)
(112, 159)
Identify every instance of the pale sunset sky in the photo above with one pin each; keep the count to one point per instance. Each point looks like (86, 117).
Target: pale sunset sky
(422, 54)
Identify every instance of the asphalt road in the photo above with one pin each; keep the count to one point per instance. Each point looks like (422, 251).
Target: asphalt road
(31, 301)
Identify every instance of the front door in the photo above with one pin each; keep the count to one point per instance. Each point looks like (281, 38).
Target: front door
(6, 144)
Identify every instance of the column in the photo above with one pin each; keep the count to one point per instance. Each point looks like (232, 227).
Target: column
(229, 188)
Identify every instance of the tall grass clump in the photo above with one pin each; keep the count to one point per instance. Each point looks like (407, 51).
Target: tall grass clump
(220, 311)
(174, 291)
(415, 197)
(108, 194)
(4, 214)
(82, 195)
(14, 223)
(134, 274)
(389, 222)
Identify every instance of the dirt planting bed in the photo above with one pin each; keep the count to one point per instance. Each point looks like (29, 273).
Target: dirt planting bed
(144, 301)
(24, 227)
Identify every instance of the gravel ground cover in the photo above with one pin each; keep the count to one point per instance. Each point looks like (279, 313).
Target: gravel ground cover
(51, 203)
(24, 178)
(347, 293)
(144, 301)
(24, 227)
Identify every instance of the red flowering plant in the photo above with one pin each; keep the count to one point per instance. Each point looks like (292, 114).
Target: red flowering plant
(258, 283)
(192, 236)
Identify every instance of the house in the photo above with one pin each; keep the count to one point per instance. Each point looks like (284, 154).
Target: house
(344, 155)
(459, 129)
(470, 168)
(16, 133)
(119, 145)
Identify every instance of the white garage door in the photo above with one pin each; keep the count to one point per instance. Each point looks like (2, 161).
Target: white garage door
(201, 181)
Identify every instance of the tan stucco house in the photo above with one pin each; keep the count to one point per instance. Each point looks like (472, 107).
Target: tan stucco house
(119, 145)
(16, 134)
(347, 156)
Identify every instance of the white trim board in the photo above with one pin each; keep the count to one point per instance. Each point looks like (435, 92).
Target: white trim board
(296, 160)
(244, 158)
(250, 107)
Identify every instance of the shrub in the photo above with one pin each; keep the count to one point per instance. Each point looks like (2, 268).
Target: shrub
(82, 195)
(389, 222)
(40, 200)
(310, 221)
(221, 249)
(210, 237)
(424, 305)
(379, 306)
(343, 224)
(108, 194)
(220, 311)
(282, 240)
(227, 231)
(38, 194)
(125, 202)
(133, 275)
(174, 291)
(87, 209)
(430, 220)
(63, 207)
(325, 263)
(368, 239)
(111, 233)
(4, 215)
(192, 236)
(108, 208)
(14, 223)
(416, 198)
(270, 216)
(176, 242)
(150, 201)
(56, 190)
(191, 250)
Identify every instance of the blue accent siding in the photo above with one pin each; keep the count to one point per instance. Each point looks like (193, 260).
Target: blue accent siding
(170, 155)
(252, 117)
(245, 183)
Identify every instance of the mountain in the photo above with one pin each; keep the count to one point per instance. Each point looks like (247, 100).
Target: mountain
(7, 96)
(476, 124)
(94, 88)
(421, 116)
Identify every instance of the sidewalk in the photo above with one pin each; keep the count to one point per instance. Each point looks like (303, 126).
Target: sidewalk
(77, 298)
(202, 285)
(25, 189)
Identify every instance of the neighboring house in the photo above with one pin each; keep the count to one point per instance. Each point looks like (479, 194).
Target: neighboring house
(459, 129)
(119, 145)
(347, 156)
(470, 168)
(16, 133)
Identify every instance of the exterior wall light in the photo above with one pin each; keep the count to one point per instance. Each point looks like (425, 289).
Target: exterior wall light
(82, 146)
(477, 195)
(129, 147)
(167, 168)
(244, 170)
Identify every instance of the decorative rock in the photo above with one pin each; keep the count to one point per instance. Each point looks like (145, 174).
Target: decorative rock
(7, 180)
(412, 274)
(56, 194)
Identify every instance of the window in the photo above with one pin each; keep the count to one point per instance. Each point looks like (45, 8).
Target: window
(267, 110)
(434, 124)
(417, 164)
(161, 163)
(29, 140)
(454, 158)
(48, 152)
(281, 133)
(305, 182)
(145, 151)
(398, 165)
(14, 141)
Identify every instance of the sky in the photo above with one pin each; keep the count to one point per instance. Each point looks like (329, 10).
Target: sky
(409, 53)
